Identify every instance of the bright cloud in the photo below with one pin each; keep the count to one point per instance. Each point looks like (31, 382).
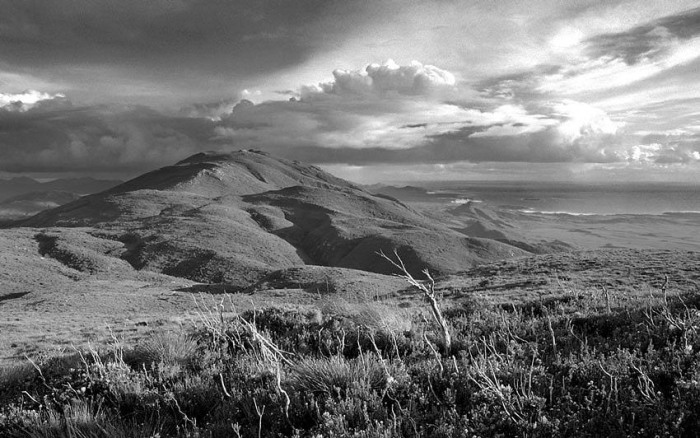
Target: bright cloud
(391, 107)
(642, 153)
(583, 120)
(388, 78)
(609, 72)
(385, 114)
(213, 111)
(25, 100)
(566, 39)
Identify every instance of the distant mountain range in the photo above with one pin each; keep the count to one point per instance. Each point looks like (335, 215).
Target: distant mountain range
(233, 218)
(29, 204)
(10, 188)
(23, 197)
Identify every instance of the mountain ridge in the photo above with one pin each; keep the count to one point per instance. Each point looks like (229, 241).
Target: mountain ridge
(234, 217)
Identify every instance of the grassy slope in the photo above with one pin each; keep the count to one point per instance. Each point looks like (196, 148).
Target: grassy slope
(539, 349)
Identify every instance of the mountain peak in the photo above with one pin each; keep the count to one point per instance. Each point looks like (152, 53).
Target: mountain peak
(242, 172)
(218, 156)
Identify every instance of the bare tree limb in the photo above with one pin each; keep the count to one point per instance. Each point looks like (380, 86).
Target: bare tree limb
(428, 291)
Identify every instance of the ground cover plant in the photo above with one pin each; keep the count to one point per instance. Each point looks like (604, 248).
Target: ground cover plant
(597, 362)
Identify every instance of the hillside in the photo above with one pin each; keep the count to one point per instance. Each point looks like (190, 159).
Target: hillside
(232, 218)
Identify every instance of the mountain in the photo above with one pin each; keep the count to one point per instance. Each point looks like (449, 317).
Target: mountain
(233, 218)
(29, 204)
(10, 188)
(17, 186)
(23, 197)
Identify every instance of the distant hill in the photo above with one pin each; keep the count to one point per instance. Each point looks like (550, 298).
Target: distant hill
(23, 197)
(233, 218)
(13, 187)
(404, 193)
(29, 204)
(501, 225)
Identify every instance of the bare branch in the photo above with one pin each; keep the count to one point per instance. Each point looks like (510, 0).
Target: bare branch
(428, 291)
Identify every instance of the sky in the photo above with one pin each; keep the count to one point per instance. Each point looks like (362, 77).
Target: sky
(371, 90)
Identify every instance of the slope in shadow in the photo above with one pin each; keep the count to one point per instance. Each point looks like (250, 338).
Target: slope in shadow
(12, 296)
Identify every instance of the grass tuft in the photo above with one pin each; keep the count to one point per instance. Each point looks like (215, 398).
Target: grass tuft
(164, 347)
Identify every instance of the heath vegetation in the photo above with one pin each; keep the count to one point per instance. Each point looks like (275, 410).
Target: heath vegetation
(583, 364)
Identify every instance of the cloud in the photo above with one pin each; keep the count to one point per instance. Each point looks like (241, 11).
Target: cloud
(677, 146)
(388, 78)
(609, 72)
(513, 120)
(333, 121)
(27, 100)
(605, 89)
(172, 51)
(122, 140)
(629, 64)
(382, 106)
(619, 60)
(582, 120)
(381, 114)
(393, 113)
(426, 132)
(212, 110)
(388, 105)
(155, 31)
(648, 40)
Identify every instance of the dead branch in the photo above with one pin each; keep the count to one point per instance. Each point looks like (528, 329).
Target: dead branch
(428, 292)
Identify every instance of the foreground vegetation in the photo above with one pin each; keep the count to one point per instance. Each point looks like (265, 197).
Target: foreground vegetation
(585, 364)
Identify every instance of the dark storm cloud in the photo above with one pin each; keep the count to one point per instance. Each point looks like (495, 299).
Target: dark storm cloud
(231, 37)
(94, 139)
(646, 41)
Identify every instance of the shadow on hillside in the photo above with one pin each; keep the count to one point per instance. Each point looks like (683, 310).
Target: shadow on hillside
(9, 223)
(211, 289)
(485, 285)
(12, 296)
